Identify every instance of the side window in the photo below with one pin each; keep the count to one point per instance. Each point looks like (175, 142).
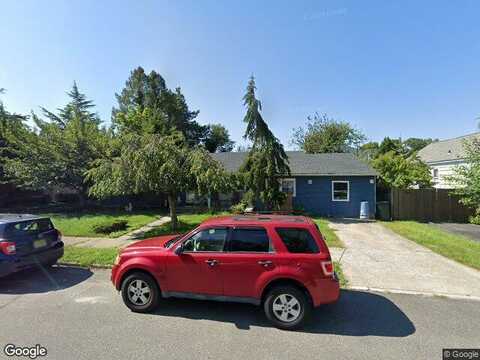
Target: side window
(207, 240)
(298, 240)
(250, 240)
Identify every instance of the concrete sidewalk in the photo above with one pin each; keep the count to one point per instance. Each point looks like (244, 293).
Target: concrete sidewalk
(122, 241)
(378, 259)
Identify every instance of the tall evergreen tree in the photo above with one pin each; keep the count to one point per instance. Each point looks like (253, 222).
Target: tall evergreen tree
(168, 109)
(266, 161)
(62, 149)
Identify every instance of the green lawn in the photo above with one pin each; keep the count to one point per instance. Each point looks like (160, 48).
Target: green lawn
(89, 256)
(186, 222)
(455, 247)
(330, 237)
(83, 224)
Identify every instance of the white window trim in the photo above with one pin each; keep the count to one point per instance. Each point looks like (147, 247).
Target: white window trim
(348, 190)
(294, 185)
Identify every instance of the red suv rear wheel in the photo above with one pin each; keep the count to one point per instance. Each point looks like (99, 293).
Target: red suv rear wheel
(287, 307)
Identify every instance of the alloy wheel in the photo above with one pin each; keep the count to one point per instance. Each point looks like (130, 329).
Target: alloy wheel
(286, 308)
(139, 292)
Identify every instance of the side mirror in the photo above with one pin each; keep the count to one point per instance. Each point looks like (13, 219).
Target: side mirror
(179, 249)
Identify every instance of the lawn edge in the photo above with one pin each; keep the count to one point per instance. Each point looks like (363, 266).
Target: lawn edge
(92, 266)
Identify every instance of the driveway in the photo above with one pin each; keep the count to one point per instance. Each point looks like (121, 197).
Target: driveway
(377, 258)
(76, 314)
(470, 230)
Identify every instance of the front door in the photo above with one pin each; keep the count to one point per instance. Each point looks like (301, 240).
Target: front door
(198, 269)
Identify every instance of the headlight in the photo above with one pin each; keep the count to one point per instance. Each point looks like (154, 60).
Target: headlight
(117, 260)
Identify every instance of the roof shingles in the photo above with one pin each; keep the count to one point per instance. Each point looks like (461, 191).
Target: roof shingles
(446, 150)
(333, 164)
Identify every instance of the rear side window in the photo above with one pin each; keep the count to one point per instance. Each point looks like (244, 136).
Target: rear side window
(250, 240)
(29, 227)
(298, 240)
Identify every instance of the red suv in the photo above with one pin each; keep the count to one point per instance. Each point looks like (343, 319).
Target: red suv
(279, 262)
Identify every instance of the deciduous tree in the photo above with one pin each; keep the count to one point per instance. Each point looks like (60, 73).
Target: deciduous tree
(467, 178)
(217, 139)
(326, 135)
(402, 172)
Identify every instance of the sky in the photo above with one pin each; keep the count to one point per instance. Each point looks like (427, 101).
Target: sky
(398, 69)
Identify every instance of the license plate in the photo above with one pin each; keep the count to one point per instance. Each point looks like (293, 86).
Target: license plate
(39, 243)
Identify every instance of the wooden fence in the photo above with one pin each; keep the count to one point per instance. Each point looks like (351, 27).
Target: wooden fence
(436, 205)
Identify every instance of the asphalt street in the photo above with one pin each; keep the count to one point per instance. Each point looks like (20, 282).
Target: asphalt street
(77, 314)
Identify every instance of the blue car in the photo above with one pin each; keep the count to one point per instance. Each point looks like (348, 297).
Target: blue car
(27, 241)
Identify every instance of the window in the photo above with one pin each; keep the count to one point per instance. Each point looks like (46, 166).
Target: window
(298, 240)
(435, 173)
(250, 240)
(340, 190)
(29, 227)
(288, 186)
(207, 240)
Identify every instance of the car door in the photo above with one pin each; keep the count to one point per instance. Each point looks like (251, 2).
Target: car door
(250, 255)
(197, 270)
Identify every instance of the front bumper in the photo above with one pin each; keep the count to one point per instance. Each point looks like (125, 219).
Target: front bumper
(113, 277)
(17, 263)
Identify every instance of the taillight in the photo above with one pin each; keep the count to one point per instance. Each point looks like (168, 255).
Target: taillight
(59, 235)
(327, 267)
(7, 247)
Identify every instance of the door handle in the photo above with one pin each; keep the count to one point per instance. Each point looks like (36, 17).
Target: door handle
(211, 262)
(265, 263)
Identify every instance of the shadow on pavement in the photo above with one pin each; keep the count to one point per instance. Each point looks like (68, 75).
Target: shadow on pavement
(357, 313)
(44, 279)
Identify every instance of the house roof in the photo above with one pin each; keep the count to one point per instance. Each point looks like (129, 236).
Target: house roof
(338, 164)
(446, 150)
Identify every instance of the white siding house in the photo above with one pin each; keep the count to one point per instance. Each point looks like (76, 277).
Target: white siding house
(442, 157)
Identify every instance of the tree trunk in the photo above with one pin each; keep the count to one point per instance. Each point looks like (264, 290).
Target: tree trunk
(172, 204)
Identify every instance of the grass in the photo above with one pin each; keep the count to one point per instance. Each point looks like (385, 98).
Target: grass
(452, 246)
(89, 256)
(341, 276)
(329, 234)
(83, 224)
(186, 222)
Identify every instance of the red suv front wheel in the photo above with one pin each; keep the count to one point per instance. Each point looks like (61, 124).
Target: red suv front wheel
(140, 292)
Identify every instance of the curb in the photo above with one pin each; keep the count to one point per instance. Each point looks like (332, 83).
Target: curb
(413, 292)
(93, 266)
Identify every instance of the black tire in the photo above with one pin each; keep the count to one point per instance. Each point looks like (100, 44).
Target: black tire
(302, 305)
(129, 296)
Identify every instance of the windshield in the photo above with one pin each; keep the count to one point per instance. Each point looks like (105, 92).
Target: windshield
(172, 241)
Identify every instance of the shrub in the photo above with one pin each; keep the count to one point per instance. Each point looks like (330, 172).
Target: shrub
(110, 227)
(475, 219)
(238, 208)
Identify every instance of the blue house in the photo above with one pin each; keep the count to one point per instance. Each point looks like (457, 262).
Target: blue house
(331, 185)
